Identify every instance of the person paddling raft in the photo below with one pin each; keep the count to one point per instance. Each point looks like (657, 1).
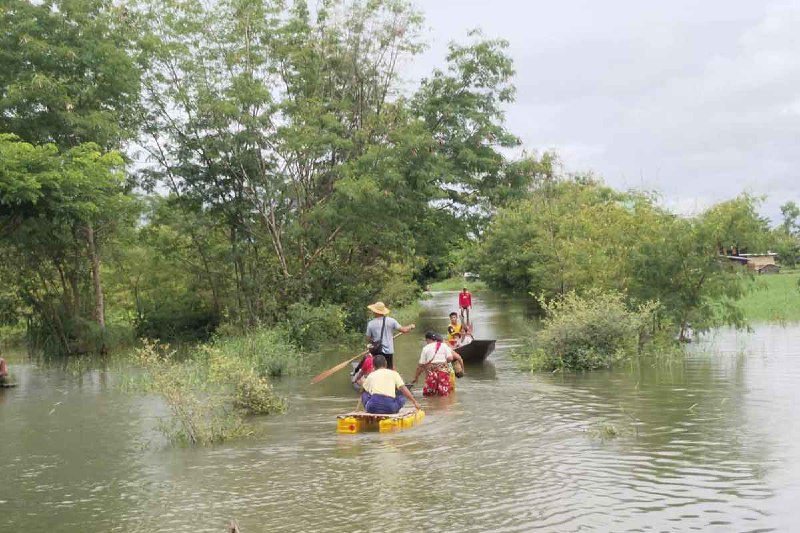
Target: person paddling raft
(380, 332)
(380, 390)
(435, 360)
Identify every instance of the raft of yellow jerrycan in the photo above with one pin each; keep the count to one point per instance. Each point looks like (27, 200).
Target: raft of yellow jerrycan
(358, 421)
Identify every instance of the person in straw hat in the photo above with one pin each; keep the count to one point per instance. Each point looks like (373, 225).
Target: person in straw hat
(380, 332)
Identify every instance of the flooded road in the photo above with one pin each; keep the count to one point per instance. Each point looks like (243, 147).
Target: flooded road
(709, 443)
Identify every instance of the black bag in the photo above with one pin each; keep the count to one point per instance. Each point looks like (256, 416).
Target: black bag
(376, 347)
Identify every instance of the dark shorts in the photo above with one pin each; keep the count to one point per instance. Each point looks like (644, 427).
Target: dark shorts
(389, 360)
(382, 405)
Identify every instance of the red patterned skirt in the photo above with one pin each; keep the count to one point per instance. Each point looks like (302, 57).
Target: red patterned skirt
(437, 381)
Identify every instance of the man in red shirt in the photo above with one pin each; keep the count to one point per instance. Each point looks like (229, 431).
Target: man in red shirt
(465, 302)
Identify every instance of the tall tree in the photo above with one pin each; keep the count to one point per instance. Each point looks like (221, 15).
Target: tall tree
(290, 129)
(70, 78)
(48, 198)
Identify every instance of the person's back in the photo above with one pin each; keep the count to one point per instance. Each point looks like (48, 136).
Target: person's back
(374, 328)
(434, 361)
(3, 370)
(380, 390)
(383, 381)
(380, 332)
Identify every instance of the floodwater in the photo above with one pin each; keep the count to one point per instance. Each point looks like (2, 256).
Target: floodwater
(709, 443)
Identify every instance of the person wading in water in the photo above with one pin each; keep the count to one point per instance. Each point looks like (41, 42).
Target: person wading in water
(3, 371)
(435, 360)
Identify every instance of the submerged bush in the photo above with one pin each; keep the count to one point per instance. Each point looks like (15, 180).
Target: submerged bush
(270, 352)
(254, 395)
(588, 332)
(311, 326)
(210, 394)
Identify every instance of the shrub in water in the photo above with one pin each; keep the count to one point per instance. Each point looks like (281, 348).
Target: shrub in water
(269, 351)
(311, 326)
(209, 394)
(254, 395)
(587, 332)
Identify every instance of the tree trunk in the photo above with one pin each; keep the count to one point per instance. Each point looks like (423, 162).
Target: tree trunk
(99, 304)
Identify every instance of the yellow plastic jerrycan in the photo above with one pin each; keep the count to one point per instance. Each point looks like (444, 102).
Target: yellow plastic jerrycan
(348, 424)
(389, 424)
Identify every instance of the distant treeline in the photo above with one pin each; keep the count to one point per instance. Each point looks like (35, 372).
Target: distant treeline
(576, 235)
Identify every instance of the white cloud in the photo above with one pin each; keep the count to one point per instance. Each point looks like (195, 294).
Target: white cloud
(699, 100)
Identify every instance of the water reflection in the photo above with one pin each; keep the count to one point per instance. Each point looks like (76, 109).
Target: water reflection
(707, 443)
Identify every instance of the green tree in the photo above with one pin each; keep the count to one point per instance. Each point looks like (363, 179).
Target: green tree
(786, 237)
(288, 131)
(69, 86)
(68, 72)
(48, 199)
(579, 235)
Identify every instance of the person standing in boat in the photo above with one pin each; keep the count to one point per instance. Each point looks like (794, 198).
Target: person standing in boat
(380, 390)
(435, 360)
(454, 329)
(380, 332)
(465, 303)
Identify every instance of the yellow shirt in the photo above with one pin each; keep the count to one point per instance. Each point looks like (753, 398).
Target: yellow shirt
(383, 381)
(453, 331)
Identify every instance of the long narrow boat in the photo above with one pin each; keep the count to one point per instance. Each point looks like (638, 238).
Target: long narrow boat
(477, 350)
(5, 385)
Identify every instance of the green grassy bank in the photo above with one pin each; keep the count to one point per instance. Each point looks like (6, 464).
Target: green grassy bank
(774, 298)
(456, 284)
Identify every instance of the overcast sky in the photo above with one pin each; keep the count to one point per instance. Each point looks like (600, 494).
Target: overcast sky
(699, 100)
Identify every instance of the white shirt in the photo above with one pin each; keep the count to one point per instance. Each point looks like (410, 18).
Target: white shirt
(427, 355)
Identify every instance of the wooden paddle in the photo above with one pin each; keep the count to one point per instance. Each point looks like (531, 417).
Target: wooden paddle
(319, 377)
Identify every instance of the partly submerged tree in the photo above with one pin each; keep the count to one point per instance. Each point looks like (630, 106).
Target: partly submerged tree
(48, 199)
(579, 235)
(69, 93)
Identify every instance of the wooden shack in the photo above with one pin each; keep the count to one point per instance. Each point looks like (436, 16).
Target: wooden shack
(762, 263)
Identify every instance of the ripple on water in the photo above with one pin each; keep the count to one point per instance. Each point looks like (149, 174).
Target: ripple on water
(705, 444)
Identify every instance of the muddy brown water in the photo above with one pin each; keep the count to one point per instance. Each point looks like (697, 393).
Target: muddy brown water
(709, 443)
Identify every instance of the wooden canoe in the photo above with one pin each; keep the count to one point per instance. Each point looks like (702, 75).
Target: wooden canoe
(476, 351)
(7, 385)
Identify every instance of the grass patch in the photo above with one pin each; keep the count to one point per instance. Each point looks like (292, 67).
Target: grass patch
(408, 313)
(456, 284)
(773, 298)
(270, 352)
